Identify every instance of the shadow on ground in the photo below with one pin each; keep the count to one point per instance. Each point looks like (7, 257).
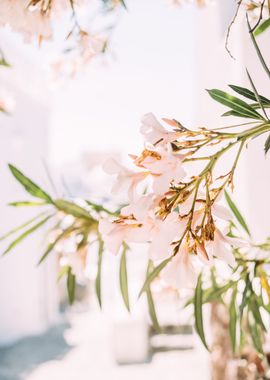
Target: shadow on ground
(21, 358)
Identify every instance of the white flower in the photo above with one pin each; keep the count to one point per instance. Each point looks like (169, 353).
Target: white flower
(126, 180)
(154, 132)
(179, 272)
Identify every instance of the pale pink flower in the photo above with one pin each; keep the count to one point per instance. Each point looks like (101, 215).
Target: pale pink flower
(126, 180)
(116, 232)
(221, 247)
(140, 208)
(154, 132)
(179, 272)
(165, 169)
(162, 234)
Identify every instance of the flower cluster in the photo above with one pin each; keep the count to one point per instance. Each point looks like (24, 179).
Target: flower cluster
(177, 214)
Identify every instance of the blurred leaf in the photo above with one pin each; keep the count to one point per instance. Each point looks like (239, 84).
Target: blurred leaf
(233, 319)
(267, 144)
(99, 267)
(211, 294)
(154, 274)
(71, 208)
(236, 104)
(261, 28)
(123, 3)
(71, 281)
(150, 300)
(124, 279)
(254, 308)
(26, 233)
(53, 244)
(63, 271)
(244, 296)
(26, 203)
(30, 186)
(237, 213)
(30, 221)
(99, 208)
(255, 333)
(249, 94)
(198, 302)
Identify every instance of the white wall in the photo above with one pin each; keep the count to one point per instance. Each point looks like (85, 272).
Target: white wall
(216, 69)
(28, 295)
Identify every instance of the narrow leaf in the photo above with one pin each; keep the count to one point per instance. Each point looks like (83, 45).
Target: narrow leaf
(29, 185)
(248, 94)
(124, 279)
(198, 302)
(242, 108)
(254, 307)
(237, 213)
(264, 25)
(30, 221)
(99, 267)
(256, 46)
(256, 94)
(233, 319)
(255, 333)
(267, 144)
(53, 244)
(244, 296)
(26, 233)
(26, 203)
(72, 209)
(150, 301)
(154, 274)
(71, 279)
(63, 271)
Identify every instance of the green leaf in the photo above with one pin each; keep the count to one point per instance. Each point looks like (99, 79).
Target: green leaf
(237, 213)
(198, 302)
(256, 46)
(150, 300)
(63, 271)
(233, 319)
(215, 294)
(26, 203)
(14, 230)
(254, 308)
(256, 336)
(53, 244)
(234, 113)
(99, 208)
(267, 144)
(249, 94)
(71, 281)
(99, 267)
(124, 279)
(29, 185)
(26, 233)
(244, 296)
(153, 275)
(256, 94)
(72, 209)
(236, 104)
(123, 3)
(261, 28)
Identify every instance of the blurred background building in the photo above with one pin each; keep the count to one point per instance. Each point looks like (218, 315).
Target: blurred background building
(163, 59)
